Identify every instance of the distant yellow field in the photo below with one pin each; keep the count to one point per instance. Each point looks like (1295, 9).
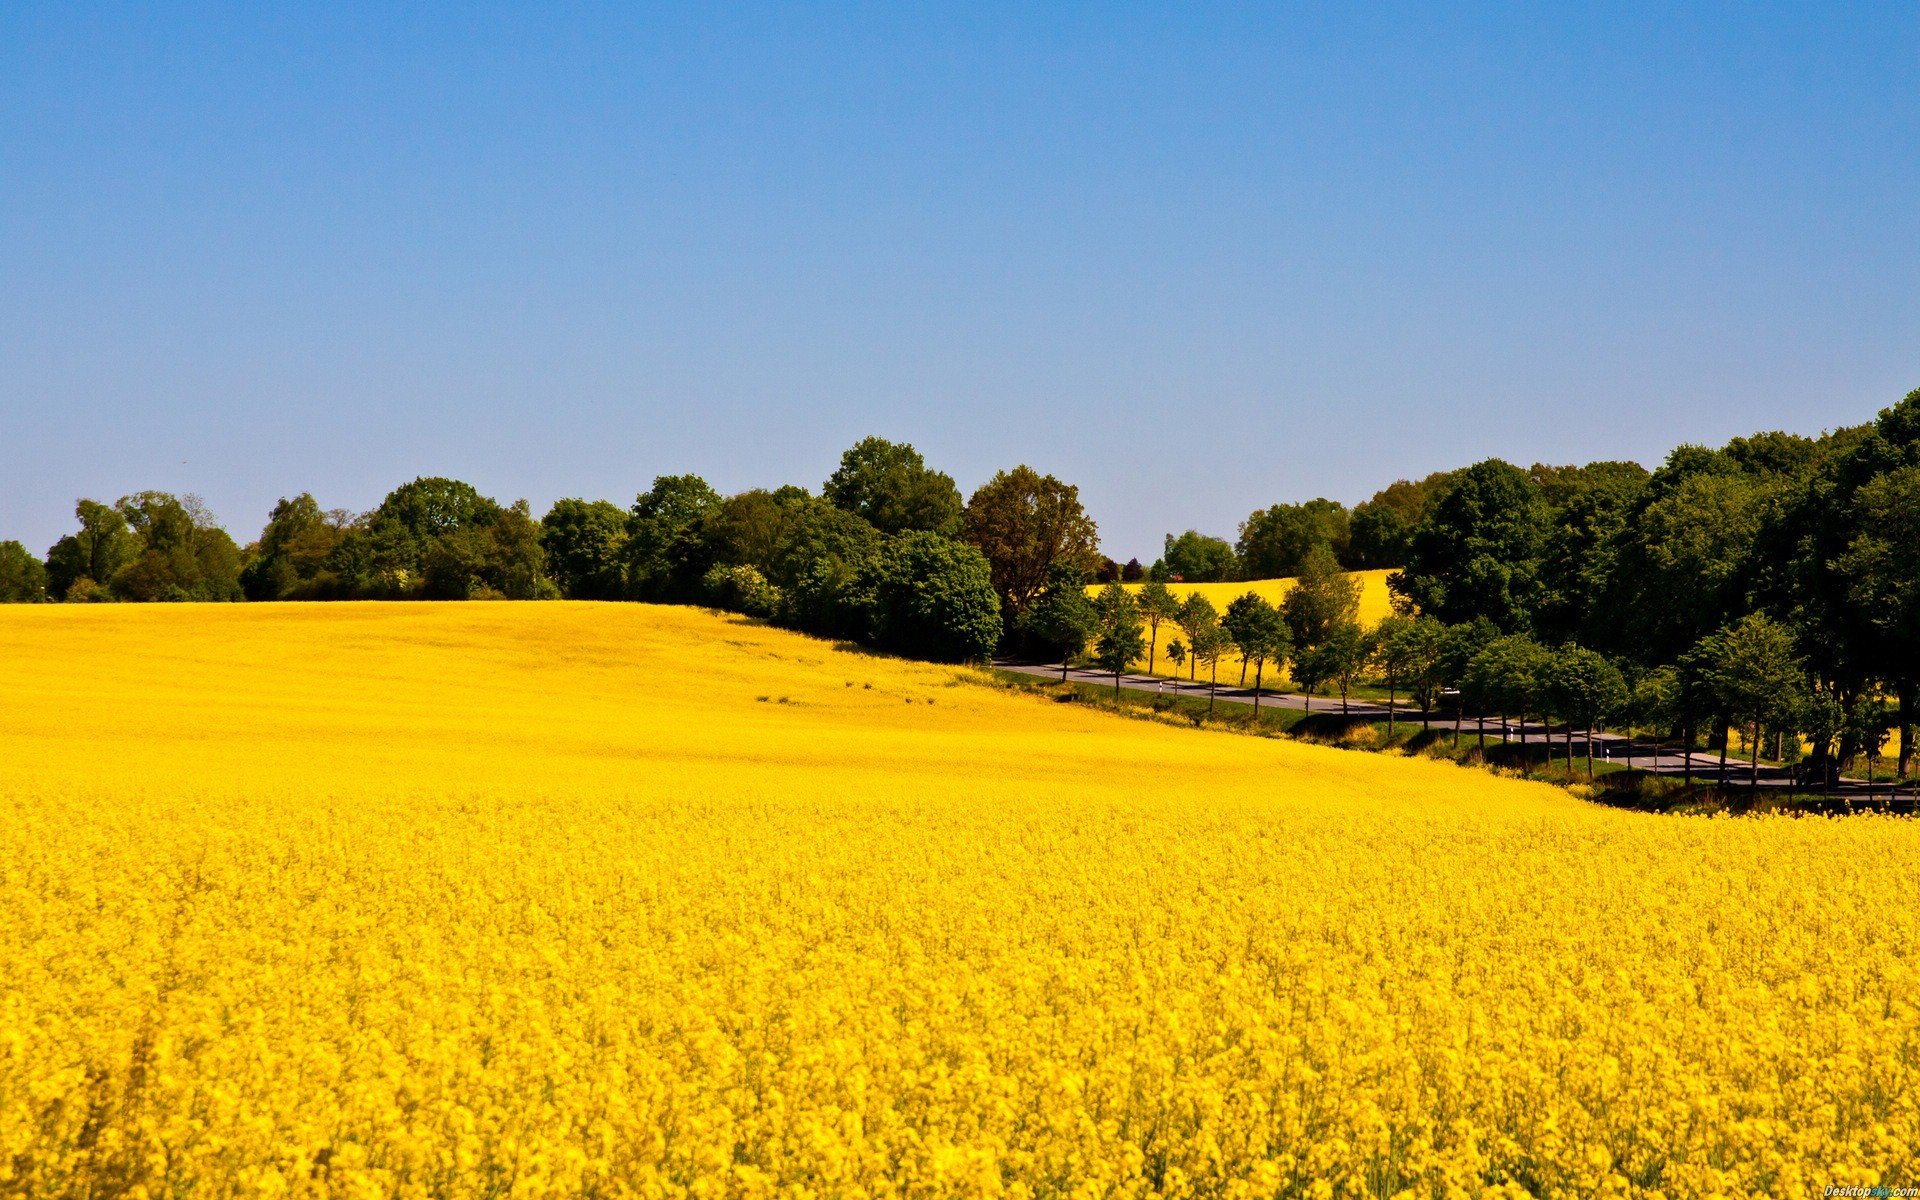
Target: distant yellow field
(610, 900)
(1375, 603)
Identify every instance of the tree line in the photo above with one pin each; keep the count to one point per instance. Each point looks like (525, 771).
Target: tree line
(1771, 585)
(887, 553)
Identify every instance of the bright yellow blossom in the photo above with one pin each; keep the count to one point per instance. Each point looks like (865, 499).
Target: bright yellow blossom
(615, 900)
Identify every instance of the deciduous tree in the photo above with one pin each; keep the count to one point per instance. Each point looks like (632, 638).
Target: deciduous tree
(1025, 523)
(891, 486)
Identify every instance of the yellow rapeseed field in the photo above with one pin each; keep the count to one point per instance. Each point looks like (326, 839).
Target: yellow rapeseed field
(1375, 602)
(613, 900)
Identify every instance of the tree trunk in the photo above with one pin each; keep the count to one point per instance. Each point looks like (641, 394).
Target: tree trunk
(1724, 739)
(1483, 735)
(1391, 693)
(1213, 685)
(1258, 671)
(1063, 667)
(1569, 747)
(1459, 710)
(1116, 684)
(1309, 695)
(1343, 697)
(1243, 670)
(1905, 691)
(1589, 754)
(1686, 754)
(1153, 643)
(1753, 764)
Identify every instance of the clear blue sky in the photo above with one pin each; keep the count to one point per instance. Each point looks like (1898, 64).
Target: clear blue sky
(1194, 259)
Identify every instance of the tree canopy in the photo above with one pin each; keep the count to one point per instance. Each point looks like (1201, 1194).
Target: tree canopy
(891, 487)
(1026, 523)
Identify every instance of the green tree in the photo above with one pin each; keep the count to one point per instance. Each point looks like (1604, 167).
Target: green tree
(1420, 648)
(1882, 567)
(23, 578)
(933, 598)
(1121, 637)
(1322, 599)
(1477, 553)
(741, 589)
(1025, 523)
(183, 553)
(1866, 728)
(1259, 633)
(1457, 647)
(516, 565)
(1387, 648)
(1756, 678)
(585, 543)
(1380, 532)
(663, 559)
(1823, 720)
(1177, 655)
(1194, 557)
(1197, 614)
(1275, 542)
(1340, 656)
(1589, 509)
(289, 562)
(1349, 654)
(1157, 604)
(95, 554)
(1588, 690)
(1209, 643)
(780, 533)
(1504, 676)
(890, 485)
(1063, 618)
(1686, 560)
(1654, 704)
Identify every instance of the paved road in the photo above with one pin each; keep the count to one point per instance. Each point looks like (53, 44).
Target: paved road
(1610, 747)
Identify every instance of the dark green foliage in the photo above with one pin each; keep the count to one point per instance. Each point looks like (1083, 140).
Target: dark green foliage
(1194, 557)
(1275, 541)
(1478, 553)
(433, 539)
(1684, 565)
(1755, 677)
(148, 546)
(665, 559)
(1380, 530)
(1583, 687)
(932, 598)
(23, 578)
(1335, 659)
(94, 555)
(1589, 509)
(184, 555)
(890, 486)
(290, 561)
(1062, 620)
(781, 534)
(585, 543)
(1506, 676)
